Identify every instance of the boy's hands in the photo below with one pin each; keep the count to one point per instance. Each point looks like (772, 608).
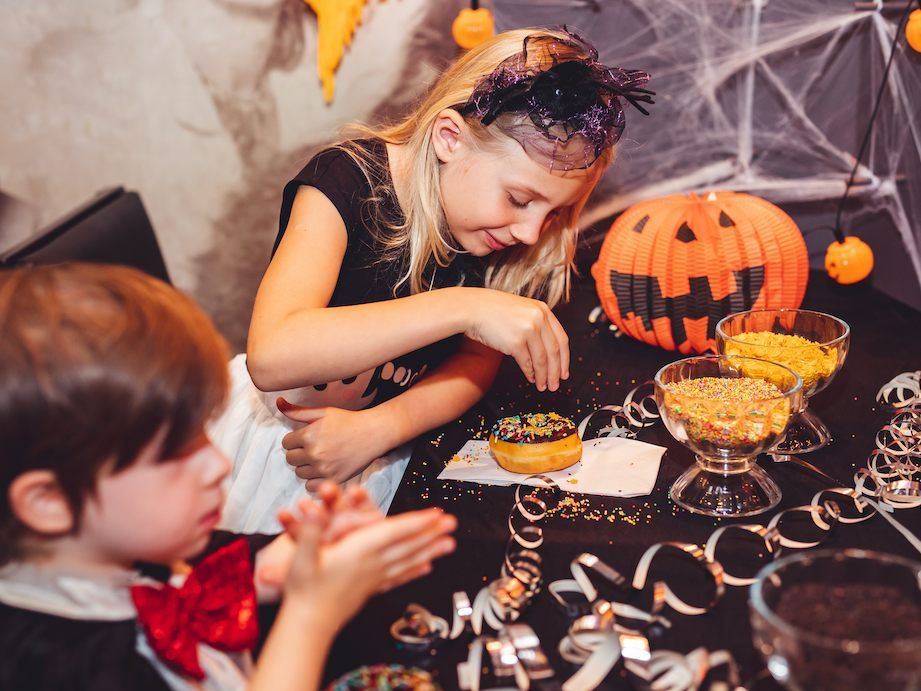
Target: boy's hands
(334, 443)
(521, 327)
(346, 510)
(335, 579)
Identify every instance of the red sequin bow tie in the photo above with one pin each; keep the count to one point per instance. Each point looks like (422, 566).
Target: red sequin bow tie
(216, 605)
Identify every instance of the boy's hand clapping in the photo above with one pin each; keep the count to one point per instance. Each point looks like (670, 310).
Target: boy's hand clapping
(337, 578)
(349, 509)
(341, 550)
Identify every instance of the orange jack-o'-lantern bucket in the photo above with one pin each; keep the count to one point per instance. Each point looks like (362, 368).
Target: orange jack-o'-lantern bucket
(671, 268)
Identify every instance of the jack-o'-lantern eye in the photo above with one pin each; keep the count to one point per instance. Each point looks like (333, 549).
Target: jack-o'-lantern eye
(685, 234)
(671, 268)
(638, 227)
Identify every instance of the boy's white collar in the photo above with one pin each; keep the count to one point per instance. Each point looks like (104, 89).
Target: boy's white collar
(108, 598)
(69, 594)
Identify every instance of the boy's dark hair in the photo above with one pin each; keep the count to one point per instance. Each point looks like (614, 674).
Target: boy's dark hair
(94, 360)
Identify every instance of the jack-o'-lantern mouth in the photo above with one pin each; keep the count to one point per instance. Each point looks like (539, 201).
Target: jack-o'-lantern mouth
(699, 302)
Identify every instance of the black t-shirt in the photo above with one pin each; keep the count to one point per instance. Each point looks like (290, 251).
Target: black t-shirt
(363, 278)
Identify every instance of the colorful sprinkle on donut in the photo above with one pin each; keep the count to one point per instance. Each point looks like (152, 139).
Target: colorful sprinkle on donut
(533, 428)
(385, 678)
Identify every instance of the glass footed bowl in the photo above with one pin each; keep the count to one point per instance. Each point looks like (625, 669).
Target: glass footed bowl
(839, 620)
(727, 410)
(777, 335)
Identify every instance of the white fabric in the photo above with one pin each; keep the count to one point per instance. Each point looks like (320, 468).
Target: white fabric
(70, 595)
(250, 431)
(108, 598)
(610, 466)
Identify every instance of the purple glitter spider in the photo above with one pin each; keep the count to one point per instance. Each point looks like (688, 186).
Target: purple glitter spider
(561, 106)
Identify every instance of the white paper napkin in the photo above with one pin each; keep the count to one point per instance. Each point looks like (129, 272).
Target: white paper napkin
(610, 466)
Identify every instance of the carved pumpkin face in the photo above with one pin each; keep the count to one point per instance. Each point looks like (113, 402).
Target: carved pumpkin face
(671, 268)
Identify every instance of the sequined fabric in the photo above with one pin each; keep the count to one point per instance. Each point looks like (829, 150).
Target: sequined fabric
(557, 101)
(216, 605)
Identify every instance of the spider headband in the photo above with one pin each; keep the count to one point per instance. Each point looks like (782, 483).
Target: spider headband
(557, 101)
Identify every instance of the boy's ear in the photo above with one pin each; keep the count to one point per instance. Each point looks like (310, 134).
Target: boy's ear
(450, 134)
(39, 503)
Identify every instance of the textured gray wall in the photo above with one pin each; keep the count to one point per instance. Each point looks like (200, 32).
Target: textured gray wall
(205, 108)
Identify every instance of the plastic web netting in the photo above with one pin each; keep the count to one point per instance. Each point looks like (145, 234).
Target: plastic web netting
(769, 97)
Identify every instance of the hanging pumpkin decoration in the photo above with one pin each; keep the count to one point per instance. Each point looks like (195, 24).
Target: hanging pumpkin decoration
(913, 30)
(472, 26)
(671, 268)
(849, 261)
(336, 23)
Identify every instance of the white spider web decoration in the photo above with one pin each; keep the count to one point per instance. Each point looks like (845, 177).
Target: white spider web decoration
(768, 97)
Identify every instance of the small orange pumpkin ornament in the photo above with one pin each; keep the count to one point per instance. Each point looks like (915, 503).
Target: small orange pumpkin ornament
(913, 30)
(472, 26)
(849, 261)
(671, 268)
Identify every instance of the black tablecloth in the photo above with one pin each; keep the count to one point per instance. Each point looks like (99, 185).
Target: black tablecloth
(885, 342)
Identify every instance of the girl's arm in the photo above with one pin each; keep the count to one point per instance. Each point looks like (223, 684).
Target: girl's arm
(444, 395)
(296, 340)
(337, 444)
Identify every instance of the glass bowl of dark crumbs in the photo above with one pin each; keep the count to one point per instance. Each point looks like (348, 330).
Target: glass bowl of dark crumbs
(840, 620)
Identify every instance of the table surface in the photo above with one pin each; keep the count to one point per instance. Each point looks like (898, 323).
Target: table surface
(604, 368)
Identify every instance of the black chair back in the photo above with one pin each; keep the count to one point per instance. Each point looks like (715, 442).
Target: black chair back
(112, 228)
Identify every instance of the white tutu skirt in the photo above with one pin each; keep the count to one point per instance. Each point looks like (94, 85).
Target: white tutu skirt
(249, 432)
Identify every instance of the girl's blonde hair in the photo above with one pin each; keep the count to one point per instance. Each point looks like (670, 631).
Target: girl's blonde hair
(541, 270)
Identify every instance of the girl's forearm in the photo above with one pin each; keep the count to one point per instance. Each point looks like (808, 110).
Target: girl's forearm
(319, 345)
(442, 396)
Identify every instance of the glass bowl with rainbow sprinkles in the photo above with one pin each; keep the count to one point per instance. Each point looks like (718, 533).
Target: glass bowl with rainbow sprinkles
(726, 415)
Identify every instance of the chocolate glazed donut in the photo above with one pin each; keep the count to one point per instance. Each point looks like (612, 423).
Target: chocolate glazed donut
(535, 443)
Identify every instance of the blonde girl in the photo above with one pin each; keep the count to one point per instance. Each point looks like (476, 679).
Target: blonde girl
(409, 260)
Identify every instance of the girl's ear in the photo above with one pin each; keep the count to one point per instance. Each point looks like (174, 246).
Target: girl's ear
(450, 135)
(39, 503)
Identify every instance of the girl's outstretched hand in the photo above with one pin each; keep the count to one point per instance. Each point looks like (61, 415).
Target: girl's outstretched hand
(335, 579)
(334, 444)
(521, 327)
